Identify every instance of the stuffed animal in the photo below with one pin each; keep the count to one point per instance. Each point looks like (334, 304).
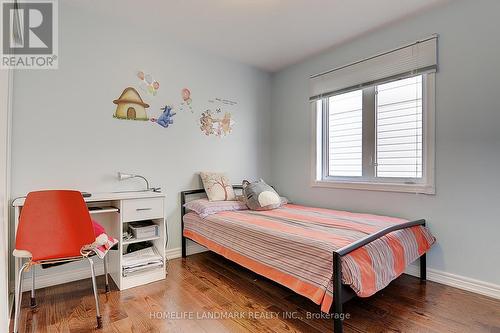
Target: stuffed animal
(260, 196)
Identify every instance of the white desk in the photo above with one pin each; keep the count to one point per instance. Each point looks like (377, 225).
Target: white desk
(118, 209)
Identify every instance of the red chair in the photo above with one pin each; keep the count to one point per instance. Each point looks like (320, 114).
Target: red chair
(53, 227)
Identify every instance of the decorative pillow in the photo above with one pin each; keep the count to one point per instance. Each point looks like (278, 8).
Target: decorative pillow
(203, 207)
(217, 186)
(260, 196)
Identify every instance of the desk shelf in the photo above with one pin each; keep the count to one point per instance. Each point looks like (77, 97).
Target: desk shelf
(137, 240)
(102, 210)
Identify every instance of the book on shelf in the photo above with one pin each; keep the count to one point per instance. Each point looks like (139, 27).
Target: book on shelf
(140, 260)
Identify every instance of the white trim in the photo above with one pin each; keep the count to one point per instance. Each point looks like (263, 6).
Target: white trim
(429, 131)
(387, 187)
(458, 281)
(192, 248)
(6, 106)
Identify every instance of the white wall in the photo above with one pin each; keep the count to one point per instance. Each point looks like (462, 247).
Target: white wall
(463, 214)
(64, 135)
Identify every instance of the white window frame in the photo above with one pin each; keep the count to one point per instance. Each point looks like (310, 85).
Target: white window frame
(426, 185)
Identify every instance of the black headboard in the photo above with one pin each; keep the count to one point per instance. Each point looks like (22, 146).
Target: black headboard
(184, 194)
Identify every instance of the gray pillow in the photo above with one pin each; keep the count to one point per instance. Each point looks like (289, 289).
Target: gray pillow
(260, 196)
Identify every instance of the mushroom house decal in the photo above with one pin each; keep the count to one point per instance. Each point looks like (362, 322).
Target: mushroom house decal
(130, 106)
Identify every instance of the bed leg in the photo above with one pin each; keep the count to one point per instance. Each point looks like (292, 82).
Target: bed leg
(423, 267)
(183, 247)
(183, 212)
(337, 294)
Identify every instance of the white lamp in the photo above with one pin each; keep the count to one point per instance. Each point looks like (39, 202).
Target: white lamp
(123, 176)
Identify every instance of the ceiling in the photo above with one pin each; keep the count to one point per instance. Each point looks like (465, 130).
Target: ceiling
(268, 34)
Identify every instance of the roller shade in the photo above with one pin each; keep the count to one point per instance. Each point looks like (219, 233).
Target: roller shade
(409, 60)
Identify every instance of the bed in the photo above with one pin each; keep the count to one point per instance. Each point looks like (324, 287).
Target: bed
(300, 248)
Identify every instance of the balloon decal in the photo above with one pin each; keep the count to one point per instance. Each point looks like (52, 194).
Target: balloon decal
(186, 100)
(148, 84)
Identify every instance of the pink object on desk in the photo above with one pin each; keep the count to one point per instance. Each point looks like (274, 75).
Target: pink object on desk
(103, 243)
(98, 229)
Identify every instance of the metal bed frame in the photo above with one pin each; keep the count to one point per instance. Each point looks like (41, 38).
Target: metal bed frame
(342, 293)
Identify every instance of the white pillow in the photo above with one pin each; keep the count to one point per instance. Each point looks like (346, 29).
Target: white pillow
(217, 186)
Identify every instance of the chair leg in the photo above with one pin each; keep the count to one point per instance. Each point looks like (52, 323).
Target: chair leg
(19, 294)
(94, 286)
(33, 299)
(106, 273)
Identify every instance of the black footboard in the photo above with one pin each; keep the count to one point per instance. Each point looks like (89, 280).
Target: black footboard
(338, 296)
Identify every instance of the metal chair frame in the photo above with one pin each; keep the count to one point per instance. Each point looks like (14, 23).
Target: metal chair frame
(31, 265)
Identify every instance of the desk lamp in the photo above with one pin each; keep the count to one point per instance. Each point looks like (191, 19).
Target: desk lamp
(123, 176)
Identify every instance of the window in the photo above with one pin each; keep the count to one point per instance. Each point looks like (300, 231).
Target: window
(374, 121)
(379, 137)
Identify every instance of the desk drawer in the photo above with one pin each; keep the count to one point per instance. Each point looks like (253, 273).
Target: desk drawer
(142, 209)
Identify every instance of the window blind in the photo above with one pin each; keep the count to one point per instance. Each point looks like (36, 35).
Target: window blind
(345, 141)
(399, 128)
(410, 60)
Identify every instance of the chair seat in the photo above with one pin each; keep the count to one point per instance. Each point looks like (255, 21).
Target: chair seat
(24, 254)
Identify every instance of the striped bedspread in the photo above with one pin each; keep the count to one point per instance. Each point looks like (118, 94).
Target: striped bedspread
(293, 246)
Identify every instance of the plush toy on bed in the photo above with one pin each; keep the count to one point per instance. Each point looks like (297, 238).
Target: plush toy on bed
(260, 196)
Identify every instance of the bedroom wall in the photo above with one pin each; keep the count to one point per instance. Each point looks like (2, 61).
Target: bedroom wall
(463, 214)
(64, 135)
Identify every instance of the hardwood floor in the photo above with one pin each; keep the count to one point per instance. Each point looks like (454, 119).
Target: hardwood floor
(206, 283)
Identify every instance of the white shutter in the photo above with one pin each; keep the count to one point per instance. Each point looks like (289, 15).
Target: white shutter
(419, 57)
(399, 129)
(345, 142)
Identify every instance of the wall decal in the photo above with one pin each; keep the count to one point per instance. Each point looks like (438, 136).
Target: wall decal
(223, 101)
(166, 118)
(186, 97)
(212, 124)
(130, 106)
(221, 105)
(148, 84)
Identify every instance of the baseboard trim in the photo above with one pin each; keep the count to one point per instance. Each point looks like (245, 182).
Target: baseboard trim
(49, 279)
(449, 279)
(191, 249)
(458, 281)
(434, 275)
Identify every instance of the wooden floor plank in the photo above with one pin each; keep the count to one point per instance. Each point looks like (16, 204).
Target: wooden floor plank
(205, 285)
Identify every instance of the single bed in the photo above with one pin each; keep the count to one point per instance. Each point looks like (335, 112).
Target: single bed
(300, 248)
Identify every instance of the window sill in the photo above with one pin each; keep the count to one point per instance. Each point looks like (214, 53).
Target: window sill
(385, 187)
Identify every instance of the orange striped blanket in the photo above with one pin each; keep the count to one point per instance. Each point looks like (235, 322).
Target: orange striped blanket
(293, 246)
